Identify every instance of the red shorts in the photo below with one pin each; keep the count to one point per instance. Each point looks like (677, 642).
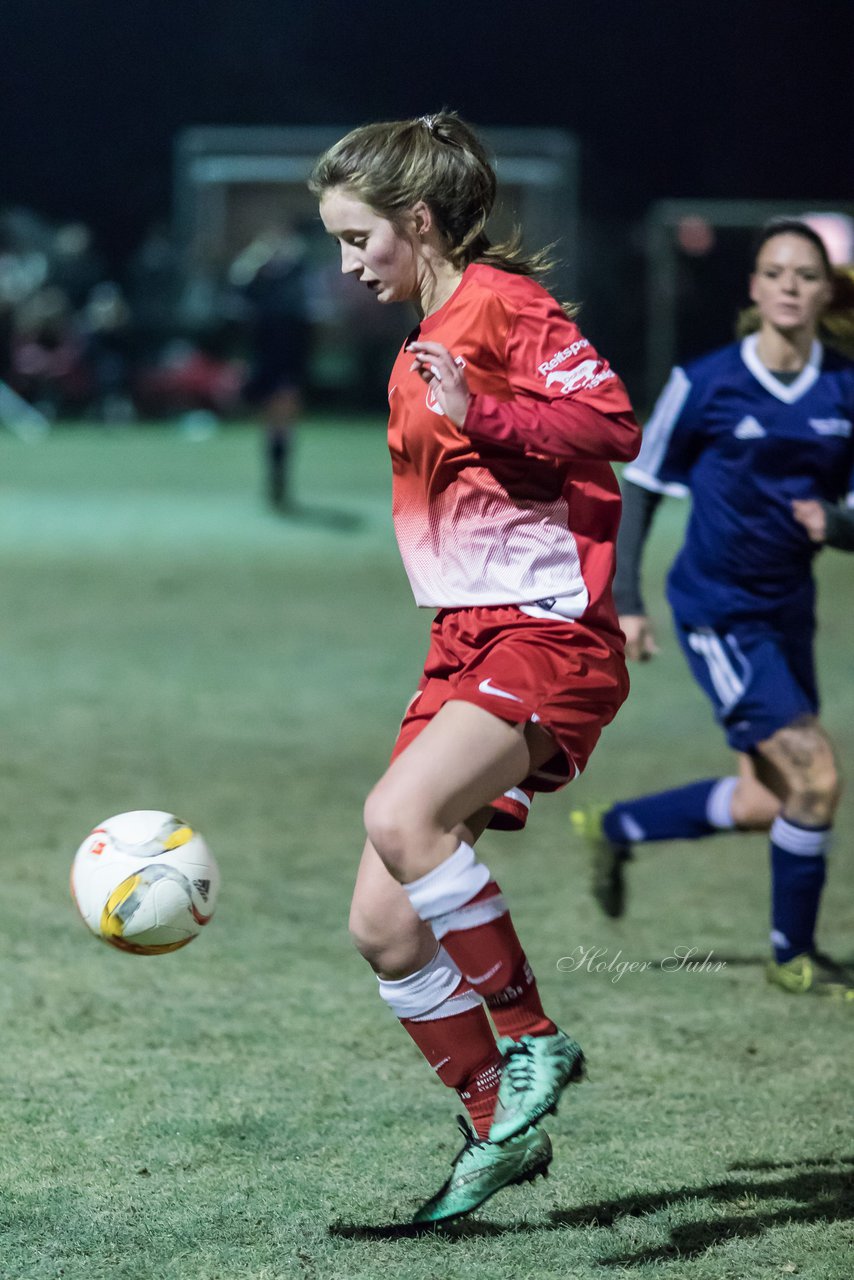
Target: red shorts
(570, 679)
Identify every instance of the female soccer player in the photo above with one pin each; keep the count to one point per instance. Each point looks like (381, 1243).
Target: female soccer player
(503, 423)
(760, 434)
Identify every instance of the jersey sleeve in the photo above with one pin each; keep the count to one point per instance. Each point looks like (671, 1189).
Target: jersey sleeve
(839, 526)
(566, 402)
(672, 439)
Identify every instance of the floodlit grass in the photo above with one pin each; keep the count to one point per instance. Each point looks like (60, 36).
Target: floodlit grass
(246, 1108)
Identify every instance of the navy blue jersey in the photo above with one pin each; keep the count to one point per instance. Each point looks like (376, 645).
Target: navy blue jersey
(744, 444)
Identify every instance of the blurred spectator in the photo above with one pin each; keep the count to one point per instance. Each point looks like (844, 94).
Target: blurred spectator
(75, 267)
(73, 343)
(167, 338)
(186, 379)
(270, 274)
(47, 358)
(153, 286)
(109, 351)
(204, 300)
(21, 274)
(25, 234)
(23, 270)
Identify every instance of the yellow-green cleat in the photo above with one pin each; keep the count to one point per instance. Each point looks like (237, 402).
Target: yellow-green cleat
(484, 1167)
(607, 859)
(812, 974)
(534, 1073)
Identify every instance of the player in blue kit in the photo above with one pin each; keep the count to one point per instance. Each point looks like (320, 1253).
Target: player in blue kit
(760, 435)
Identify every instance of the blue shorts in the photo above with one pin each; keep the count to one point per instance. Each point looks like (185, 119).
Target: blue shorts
(759, 676)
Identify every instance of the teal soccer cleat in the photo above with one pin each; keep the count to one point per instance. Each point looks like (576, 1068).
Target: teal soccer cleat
(484, 1167)
(535, 1071)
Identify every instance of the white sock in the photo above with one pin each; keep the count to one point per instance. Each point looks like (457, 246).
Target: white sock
(719, 804)
(450, 885)
(428, 994)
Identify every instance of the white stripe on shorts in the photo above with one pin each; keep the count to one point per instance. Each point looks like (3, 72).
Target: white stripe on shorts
(726, 681)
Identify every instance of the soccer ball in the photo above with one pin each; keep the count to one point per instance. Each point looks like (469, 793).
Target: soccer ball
(145, 882)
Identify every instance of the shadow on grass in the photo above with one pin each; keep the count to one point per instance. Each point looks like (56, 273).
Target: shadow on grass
(410, 1230)
(329, 518)
(767, 1166)
(820, 1192)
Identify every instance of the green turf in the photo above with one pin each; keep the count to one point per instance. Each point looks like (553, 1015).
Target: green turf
(246, 1108)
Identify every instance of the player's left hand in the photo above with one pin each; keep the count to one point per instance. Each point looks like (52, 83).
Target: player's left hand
(811, 515)
(445, 377)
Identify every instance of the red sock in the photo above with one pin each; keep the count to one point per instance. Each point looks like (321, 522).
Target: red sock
(462, 1051)
(491, 959)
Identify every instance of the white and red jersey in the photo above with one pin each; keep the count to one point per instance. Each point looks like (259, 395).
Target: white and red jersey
(520, 505)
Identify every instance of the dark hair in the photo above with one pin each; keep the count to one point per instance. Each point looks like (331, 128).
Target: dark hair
(438, 159)
(792, 227)
(836, 325)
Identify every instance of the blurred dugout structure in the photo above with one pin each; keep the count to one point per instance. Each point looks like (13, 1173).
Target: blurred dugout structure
(231, 183)
(696, 252)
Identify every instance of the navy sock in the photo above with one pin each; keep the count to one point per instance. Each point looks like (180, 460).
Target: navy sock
(797, 879)
(685, 813)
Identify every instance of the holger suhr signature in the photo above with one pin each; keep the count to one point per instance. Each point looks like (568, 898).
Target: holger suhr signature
(682, 959)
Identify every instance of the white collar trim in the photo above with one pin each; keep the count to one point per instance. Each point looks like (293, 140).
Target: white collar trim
(803, 382)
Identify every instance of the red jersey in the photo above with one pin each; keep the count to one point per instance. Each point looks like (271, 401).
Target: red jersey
(519, 505)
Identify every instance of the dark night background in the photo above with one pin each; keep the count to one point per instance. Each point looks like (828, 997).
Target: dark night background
(679, 98)
(668, 99)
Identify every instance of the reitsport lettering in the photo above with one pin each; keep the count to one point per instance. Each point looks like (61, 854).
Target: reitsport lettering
(560, 356)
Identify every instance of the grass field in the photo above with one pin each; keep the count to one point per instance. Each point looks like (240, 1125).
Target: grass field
(247, 1108)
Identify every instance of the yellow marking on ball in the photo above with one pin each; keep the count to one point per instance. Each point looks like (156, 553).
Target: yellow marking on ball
(112, 924)
(182, 836)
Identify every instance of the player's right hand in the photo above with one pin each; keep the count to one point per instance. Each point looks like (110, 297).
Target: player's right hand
(811, 515)
(640, 637)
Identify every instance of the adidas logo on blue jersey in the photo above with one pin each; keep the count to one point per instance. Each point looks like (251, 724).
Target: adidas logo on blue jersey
(831, 426)
(749, 429)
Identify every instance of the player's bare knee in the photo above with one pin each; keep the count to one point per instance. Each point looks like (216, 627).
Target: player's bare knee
(370, 935)
(387, 830)
(814, 798)
(370, 946)
(385, 960)
(803, 758)
(391, 952)
(753, 807)
(397, 828)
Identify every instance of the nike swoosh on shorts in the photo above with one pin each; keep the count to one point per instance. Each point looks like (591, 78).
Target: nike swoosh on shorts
(486, 686)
